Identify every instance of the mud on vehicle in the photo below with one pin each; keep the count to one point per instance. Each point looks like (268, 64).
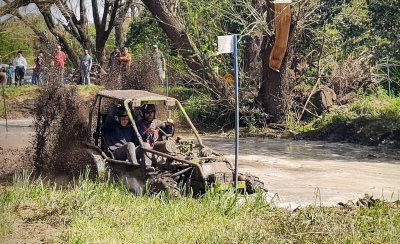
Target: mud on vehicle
(181, 165)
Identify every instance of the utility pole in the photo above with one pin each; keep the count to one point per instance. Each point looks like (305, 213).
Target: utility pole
(388, 77)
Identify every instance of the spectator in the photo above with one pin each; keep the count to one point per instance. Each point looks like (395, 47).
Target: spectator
(37, 75)
(113, 62)
(59, 63)
(159, 60)
(86, 66)
(125, 60)
(9, 73)
(212, 57)
(20, 66)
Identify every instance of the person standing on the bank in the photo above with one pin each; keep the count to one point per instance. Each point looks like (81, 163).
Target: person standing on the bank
(20, 66)
(86, 66)
(158, 58)
(59, 63)
(125, 60)
(113, 62)
(37, 75)
(9, 73)
(212, 57)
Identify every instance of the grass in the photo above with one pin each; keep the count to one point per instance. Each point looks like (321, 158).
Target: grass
(17, 95)
(101, 212)
(362, 121)
(19, 92)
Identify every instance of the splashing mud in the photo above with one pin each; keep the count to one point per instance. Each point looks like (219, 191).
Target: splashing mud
(60, 126)
(142, 75)
(60, 116)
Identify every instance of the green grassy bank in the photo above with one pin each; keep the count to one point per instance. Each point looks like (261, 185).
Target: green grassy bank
(101, 212)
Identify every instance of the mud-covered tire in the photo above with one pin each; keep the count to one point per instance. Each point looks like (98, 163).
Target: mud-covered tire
(97, 162)
(253, 183)
(161, 183)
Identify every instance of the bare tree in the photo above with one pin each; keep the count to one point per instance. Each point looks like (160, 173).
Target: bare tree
(72, 18)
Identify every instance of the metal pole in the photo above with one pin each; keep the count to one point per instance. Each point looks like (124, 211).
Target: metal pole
(166, 81)
(5, 108)
(235, 67)
(388, 77)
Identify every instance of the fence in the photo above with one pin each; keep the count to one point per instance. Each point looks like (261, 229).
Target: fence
(389, 73)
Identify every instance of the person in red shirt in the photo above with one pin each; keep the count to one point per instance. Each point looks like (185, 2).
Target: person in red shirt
(59, 63)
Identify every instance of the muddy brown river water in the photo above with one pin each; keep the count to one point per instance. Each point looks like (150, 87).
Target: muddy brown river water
(298, 172)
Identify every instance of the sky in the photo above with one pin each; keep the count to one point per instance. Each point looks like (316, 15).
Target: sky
(32, 9)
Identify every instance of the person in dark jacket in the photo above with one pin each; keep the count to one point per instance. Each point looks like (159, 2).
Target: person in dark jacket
(113, 62)
(119, 135)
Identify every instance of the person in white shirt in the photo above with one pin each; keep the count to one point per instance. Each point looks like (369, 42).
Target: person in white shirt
(20, 65)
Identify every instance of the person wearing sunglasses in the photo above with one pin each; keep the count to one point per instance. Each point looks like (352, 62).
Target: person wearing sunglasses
(150, 128)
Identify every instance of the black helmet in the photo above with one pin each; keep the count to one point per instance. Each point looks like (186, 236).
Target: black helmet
(147, 107)
(121, 111)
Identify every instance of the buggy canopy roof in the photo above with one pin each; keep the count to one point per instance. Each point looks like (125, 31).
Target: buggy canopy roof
(137, 96)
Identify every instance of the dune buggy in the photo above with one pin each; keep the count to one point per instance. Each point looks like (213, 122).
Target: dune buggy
(179, 163)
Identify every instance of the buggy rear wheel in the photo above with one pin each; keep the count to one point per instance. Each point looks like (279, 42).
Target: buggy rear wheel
(163, 183)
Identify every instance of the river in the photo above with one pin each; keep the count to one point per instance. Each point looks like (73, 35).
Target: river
(297, 172)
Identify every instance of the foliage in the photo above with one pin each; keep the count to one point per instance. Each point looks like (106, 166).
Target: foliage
(200, 109)
(143, 33)
(363, 121)
(385, 16)
(92, 212)
(15, 36)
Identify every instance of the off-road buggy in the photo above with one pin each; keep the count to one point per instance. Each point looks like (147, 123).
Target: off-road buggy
(179, 163)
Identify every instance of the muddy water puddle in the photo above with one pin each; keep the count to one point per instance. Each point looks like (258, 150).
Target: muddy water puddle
(301, 150)
(17, 133)
(292, 169)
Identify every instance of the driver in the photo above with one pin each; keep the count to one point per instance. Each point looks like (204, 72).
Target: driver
(150, 128)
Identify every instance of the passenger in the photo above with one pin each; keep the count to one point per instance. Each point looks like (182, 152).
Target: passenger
(150, 128)
(119, 135)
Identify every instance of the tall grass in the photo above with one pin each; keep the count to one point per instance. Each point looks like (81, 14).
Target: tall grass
(100, 212)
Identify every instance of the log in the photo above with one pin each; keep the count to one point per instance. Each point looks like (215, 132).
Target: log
(282, 27)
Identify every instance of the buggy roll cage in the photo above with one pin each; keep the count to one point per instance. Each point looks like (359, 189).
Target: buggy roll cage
(135, 98)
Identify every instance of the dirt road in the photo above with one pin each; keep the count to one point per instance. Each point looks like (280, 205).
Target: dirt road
(300, 172)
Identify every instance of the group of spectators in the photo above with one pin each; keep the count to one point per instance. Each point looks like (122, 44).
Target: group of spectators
(121, 61)
(19, 65)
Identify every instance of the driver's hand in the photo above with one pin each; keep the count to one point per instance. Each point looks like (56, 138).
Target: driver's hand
(169, 122)
(150, 130)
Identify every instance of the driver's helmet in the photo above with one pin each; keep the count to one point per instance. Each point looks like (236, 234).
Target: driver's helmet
(147, 107)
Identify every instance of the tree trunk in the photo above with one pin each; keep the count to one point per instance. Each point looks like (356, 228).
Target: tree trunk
(113, 11)
(274, 93)
(165, 13)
